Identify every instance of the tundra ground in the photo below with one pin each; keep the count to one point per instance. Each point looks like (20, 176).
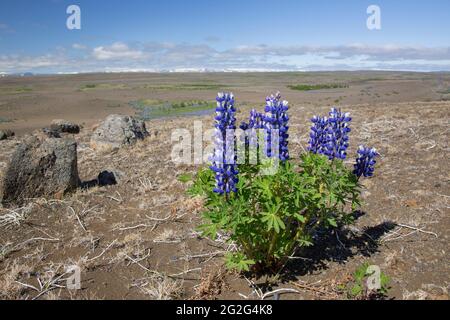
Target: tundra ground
(138, 239)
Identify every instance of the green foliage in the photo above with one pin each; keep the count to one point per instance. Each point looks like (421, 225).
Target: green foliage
(147, 109)
(270, 216)
(357, 288)
(238, 261)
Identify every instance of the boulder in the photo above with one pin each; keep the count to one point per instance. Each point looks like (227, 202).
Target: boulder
(5, 134)
(49, 133)
(116, 131)
(104, 178)
(63, 126)
(40, 168)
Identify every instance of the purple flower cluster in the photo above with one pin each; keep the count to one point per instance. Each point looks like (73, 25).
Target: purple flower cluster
(250, 137)
(329, 136)
(255, 121)
(276, 118)
(224, 158)
(317, 137)
(337, 135)
(365, 162)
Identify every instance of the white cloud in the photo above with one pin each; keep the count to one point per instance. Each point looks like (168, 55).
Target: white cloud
(12, 63)
(164, 56)
(381, 52)
(117, 51)
(79, 46)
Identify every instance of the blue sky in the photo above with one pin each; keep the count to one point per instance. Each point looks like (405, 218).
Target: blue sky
(177, 35)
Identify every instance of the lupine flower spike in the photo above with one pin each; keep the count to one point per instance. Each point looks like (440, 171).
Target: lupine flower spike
(276, 118)
(224, 158)
(317, 137)
(337, 134)
(250, 138)
(365, 162)
(255, 122)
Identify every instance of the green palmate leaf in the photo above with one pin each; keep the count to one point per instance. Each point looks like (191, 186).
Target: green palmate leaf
(273, 222)
(356, 290)
(332, 222)
(238, 261)
(300, 218)
(305, 241)
(361, 272)
(208, 230)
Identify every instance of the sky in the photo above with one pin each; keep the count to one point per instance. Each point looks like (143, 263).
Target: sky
(232, 35)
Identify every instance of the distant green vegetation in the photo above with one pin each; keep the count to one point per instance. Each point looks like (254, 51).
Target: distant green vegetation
(3, 120)
(23, 90)
(102, 86)
(168, 87)
(184, 86)
(89, 86)
(147, 109)
(114, 105)
(444, 91)
(310, 87)
(17, 90)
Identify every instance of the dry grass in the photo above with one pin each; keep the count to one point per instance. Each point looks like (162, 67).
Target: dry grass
(159, 287)
(15, 217)
(120, 233)
(13, 272)
(211, 285)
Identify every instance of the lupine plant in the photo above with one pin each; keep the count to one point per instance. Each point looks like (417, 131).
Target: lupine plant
(270, 217)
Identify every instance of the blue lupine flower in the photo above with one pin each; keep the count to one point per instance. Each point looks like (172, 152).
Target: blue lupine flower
(337, 134)
(254, 124)
(224, 157)
(365, 162)
(317, 137)
(255, 120)
(276, 118)
(250, 137)
(283, 119)
(244, 125)
(329, 136)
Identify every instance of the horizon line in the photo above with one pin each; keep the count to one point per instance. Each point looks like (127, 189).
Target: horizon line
(22, 74)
